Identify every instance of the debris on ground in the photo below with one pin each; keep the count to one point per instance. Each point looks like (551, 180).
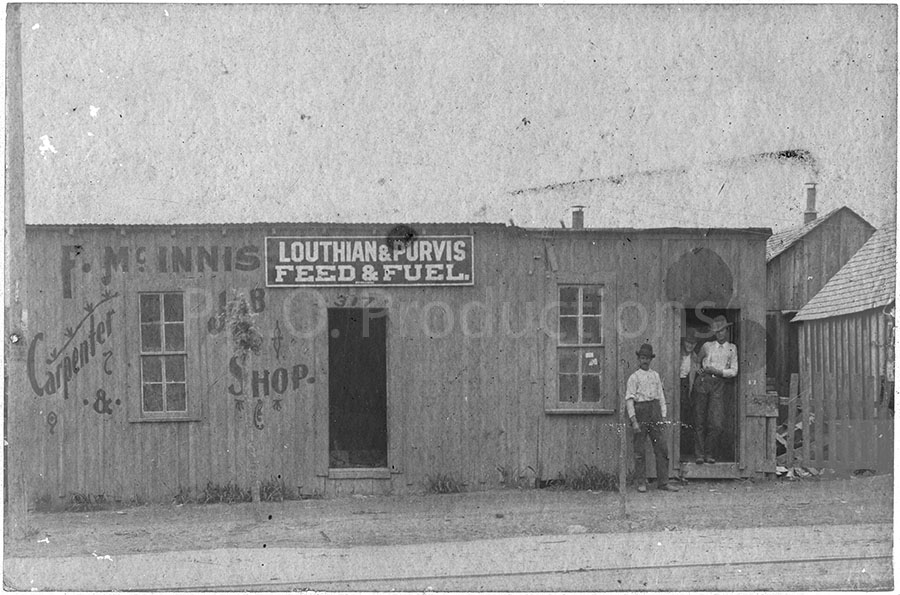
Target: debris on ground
(798, 472)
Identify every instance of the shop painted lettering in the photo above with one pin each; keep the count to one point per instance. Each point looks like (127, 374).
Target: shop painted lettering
(264, 382)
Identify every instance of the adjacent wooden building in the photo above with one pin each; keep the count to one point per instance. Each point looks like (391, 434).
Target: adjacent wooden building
(847, 364)
(799, 262)
(368, 358)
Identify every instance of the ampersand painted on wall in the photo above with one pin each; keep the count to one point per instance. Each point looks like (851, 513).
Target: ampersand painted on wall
(102, 404)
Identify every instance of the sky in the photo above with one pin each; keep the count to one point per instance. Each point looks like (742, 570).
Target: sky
(648, 115)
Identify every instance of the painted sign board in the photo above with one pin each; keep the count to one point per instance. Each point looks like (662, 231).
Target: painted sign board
(369, 261)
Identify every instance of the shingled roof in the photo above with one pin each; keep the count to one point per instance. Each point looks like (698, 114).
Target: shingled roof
(781, 241)
(868, 280)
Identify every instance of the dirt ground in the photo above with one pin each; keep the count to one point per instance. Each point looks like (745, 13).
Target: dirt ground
(385, 520)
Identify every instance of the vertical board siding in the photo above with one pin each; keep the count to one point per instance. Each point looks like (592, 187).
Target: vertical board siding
(819, 254)
(842, 362)
(472, 407)
(793, 405)
(807, 371)
(798, 273)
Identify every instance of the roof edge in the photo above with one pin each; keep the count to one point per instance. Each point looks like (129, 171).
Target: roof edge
(256, 224)
(759, 231)
(880, 305)
(756, 231)
(819, 221)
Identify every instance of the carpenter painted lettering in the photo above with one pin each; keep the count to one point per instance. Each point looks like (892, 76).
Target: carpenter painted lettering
(80, 347)
(348, 261)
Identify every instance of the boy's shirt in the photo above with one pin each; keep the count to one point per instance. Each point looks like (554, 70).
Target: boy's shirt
(690, 363)
(644, 386)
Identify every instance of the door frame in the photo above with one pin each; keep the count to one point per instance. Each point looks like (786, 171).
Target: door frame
(723, 469)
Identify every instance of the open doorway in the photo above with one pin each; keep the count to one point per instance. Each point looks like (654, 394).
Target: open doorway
(357, 387)
(725, 449)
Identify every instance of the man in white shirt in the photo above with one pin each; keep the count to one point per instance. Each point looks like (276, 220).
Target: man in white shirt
(718, 361)
(645, 404)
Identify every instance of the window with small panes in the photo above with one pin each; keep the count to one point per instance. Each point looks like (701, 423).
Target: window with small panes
(581, 347)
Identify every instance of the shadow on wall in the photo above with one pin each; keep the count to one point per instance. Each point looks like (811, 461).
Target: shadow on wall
(700, 276)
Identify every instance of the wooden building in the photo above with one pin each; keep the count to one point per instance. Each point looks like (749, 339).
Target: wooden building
(368, 358)
(847, 364)
(799, 262)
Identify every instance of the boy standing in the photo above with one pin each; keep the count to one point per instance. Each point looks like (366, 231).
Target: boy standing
(645, 404)
(690, 365)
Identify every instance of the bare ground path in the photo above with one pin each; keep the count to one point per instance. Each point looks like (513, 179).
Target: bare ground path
(834, 557)
(789, 514)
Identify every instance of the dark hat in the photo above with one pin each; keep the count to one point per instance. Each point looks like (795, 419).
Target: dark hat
(719, 323)
(646, 349)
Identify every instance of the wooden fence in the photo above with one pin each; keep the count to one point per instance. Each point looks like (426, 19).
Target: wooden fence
(840, 407)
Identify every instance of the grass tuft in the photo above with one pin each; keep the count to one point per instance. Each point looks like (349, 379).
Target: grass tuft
(442, 483)
(82, 502)
(228, 494)
(588, 477)
(516, 477)
(274, 490)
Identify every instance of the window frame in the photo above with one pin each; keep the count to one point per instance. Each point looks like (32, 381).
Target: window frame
(190, 352)
(608, 344)
(162, 355)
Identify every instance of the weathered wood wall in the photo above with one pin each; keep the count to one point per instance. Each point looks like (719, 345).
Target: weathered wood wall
(471, 370)
(657, 274)
(797, 274)
(94, 446)
(846, 421)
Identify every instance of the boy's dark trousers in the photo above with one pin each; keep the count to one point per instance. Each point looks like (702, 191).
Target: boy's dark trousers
(709, 412)
(686, 420)
(649, 415)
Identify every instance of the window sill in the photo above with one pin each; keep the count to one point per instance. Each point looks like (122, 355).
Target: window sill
(163, 419)
(579, 411)
(360, 473)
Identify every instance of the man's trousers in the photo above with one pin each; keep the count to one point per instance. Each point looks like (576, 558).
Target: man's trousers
(707, 401)
(649, 415)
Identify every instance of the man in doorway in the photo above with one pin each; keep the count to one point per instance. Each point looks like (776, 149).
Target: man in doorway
(718, 361)
(646, 407)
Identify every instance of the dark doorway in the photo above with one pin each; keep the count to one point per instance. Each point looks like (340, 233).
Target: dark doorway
(727, 449)
(357, 387)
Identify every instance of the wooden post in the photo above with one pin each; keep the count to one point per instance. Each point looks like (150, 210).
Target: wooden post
(793, 396)
(623, 464)
(255, 485)
(16, 315)
(820, 387)
(806, 388)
